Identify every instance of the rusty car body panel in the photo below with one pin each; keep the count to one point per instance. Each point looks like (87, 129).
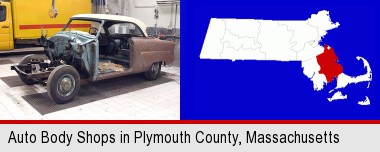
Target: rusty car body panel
(143, 47)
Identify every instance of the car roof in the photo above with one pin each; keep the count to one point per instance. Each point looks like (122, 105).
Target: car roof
(109, 17)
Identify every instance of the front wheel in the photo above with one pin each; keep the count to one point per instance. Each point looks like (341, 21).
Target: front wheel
(63, 84)
(154, 71)
(25, 60)
(29, 58)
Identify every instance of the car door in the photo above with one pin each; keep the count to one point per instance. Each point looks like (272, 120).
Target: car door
(4, 28)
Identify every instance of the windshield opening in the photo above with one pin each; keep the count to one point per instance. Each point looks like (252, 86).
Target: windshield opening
(82, 25)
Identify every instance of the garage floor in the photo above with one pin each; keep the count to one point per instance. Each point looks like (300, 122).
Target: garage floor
(130, 97)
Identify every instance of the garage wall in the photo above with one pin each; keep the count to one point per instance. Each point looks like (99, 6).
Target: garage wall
(144, 10)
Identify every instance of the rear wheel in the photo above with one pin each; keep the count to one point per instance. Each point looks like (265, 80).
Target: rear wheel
(63, 84)
(25, 60)
(154, 71)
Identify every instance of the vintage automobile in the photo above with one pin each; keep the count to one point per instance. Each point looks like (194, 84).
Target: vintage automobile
(114, 46)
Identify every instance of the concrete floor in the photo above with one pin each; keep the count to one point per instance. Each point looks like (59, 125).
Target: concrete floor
(161, 101)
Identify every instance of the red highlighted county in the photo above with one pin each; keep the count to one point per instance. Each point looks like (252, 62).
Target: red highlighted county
(328, 62)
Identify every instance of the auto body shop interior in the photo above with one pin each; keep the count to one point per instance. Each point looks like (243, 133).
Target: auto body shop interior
(90, 59)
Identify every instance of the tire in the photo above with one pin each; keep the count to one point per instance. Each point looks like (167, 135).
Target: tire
(31, 57)
(25, 60)
(63, 84)
(154, 71)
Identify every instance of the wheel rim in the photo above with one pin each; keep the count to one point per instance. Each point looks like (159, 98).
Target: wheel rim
(155, 68)
(66, 85)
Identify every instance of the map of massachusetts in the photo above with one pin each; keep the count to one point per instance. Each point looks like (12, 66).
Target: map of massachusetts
(284, 41)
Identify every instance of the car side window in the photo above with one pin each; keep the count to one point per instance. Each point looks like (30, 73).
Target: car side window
(125, 28)
(97, 25)
(3, 13)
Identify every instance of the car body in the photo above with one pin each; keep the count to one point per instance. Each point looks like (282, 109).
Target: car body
(104, 52)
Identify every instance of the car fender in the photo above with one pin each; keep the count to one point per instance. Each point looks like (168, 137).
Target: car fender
(150, 50)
